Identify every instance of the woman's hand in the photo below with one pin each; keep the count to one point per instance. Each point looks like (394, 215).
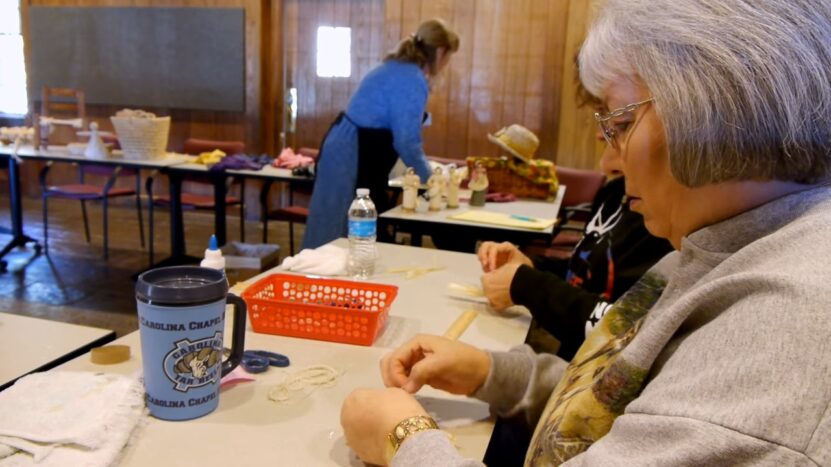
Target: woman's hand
(497, 285)
(493, 255)
(368, 415)
(444, 364)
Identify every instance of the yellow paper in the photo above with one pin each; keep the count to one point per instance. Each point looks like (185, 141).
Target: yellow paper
(498, 218)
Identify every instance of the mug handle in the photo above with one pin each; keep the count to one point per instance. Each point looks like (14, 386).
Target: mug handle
(238, 334)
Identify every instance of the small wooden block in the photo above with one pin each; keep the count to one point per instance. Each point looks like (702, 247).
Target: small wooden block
(110, 354)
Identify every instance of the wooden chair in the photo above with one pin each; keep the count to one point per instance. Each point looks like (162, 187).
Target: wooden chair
(293, 213)
(197, 201)
(63, 102)
(66, 103)
(84, 191)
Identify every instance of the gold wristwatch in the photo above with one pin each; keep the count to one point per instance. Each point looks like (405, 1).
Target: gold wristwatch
(404, 429)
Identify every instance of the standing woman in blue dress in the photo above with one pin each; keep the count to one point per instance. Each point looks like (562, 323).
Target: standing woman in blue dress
(381, 124)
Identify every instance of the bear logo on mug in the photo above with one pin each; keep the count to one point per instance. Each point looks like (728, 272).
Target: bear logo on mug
(193, 364)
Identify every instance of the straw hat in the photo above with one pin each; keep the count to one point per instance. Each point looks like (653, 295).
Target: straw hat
(517, 140)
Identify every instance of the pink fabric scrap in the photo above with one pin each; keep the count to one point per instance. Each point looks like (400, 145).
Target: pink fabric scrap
(499, 197)
(238, 375)
(288, 159)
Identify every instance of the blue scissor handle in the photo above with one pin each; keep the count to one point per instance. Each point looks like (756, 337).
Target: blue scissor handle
(258, 361)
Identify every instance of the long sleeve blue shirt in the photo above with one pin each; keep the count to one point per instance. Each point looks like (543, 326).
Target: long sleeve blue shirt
(392, 96)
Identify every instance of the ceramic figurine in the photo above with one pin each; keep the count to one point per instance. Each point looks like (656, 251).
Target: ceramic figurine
(95, 147)
(478, 185)
(435, 187)
(411, 186)
(453, 182)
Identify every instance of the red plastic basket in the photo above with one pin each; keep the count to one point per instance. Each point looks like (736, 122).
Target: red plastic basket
(317, 308)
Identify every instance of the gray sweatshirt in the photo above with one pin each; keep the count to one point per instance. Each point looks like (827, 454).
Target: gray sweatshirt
(720, 355)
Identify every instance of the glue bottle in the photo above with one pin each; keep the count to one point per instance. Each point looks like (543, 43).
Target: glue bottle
(213, 256)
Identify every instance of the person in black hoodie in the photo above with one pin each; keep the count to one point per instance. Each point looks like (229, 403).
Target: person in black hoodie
(567, 297)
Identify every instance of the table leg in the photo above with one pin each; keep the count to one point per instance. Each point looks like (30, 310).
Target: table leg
(220, 209)
(177, 225)
(19, 239)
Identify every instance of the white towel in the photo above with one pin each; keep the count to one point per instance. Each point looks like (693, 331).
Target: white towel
(327, 260)
(61, 418)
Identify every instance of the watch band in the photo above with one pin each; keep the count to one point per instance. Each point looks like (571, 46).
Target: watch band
(405, 429)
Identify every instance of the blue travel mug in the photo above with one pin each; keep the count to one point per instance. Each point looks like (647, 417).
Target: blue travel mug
(181, 312)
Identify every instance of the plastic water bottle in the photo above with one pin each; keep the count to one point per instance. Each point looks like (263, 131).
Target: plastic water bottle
(362, 221)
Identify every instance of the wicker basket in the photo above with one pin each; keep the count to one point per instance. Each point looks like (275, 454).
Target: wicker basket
(142, 138)
(536, 179)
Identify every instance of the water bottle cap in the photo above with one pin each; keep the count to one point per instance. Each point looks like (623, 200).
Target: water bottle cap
(362, 191)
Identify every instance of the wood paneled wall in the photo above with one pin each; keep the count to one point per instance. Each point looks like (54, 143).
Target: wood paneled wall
(321, 99)
(501, 75)
(514, 66)
(577, 144)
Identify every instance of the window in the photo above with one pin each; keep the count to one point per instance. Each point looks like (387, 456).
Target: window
(334, 52)
(13, 98)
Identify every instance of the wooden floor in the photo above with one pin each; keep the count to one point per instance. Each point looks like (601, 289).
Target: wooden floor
(73, 283)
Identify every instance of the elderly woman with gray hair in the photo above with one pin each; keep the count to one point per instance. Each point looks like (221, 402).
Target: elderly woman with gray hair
(721, 354)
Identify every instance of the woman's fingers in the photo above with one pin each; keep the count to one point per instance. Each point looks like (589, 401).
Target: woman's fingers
(484, 254)
(419, 376)
(397, 365)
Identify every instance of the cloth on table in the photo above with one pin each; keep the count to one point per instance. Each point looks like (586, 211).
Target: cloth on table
(288, 159)
(62, 418)
(209, 158)
(500, 197)
(326, 260)
(242, 162)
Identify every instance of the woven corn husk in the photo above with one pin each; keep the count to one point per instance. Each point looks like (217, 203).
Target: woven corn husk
(142, 138)
(535, 179)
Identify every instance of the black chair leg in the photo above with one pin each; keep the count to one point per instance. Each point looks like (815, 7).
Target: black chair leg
(138, 209)
(242, 210)
(86, 220)
(291, 237)
(151, 234)
(45, 225)
(264, 191)
(106, 232)
(151, 231)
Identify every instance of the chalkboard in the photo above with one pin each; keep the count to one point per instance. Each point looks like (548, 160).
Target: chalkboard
(190, 58)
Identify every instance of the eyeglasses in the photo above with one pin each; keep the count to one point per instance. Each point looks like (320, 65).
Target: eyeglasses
(609, 132)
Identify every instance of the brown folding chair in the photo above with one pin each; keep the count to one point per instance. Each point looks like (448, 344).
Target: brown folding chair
(84, 191)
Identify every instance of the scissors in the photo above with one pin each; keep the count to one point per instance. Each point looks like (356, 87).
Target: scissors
(258, 361)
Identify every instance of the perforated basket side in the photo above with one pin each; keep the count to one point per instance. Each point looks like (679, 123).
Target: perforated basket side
(324, 309)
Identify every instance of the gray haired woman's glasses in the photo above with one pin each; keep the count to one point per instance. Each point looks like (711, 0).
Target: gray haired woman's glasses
(609, 132)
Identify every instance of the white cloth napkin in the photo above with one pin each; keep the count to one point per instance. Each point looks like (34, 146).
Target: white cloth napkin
(327, 260)
(63, 418)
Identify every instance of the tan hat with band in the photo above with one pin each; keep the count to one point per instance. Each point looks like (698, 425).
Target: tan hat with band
(517, 140)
